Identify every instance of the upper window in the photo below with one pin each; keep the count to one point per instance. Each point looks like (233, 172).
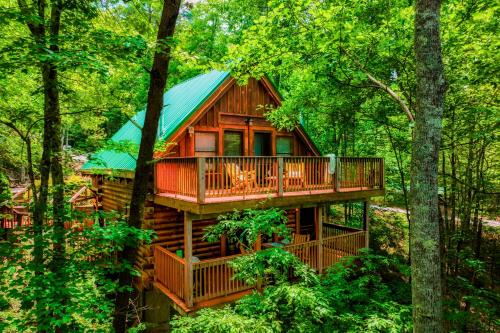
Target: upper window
(284, 146)
(205, 144)
(233, 143)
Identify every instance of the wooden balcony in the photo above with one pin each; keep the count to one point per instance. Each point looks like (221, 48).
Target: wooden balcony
(210, 282)
(204, 185)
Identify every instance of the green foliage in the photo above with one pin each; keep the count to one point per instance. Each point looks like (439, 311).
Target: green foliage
(389, 233)
(244, 227)
(90, 270)
(5, 193)
(220, 321)
(370, 293)
(472, 299)
(272, 266)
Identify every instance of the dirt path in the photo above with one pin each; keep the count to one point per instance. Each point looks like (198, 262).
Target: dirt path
(490, 223)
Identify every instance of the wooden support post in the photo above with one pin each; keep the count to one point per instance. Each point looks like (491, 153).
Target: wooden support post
(257, 247)
(258, 244)
(280, 176)
(201, 179)
(297, 221)
(366, 222)
(188, 259)
(320, 239)
(223, 246)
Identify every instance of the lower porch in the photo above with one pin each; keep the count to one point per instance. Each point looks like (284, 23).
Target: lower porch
(193, 283)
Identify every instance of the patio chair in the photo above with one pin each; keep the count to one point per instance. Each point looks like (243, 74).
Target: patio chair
(294, 174)
(303, 253)
(299, 239)
(241, 179)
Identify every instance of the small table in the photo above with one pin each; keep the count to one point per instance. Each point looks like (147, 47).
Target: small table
(273, 245)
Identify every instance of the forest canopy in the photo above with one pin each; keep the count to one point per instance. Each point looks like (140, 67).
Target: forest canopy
(351, 72)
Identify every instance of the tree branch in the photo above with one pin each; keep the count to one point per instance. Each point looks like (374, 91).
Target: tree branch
(382, 86)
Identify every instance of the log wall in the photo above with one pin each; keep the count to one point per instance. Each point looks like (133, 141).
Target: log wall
(116, 194)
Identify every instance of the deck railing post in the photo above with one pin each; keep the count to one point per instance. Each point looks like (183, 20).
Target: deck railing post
(280, 176)
(366, 222)
(320, 239)
(201, 165)
(258, 247)
(188, 259)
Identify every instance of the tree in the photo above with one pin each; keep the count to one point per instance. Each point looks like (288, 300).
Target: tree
(44, 23)
(144, 167)
(424, 237)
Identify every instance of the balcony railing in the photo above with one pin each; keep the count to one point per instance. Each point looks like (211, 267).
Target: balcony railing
(205, 179)
(213, 278)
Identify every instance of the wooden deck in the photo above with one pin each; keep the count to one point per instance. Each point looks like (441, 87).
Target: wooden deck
(211, 281)
(204, 185)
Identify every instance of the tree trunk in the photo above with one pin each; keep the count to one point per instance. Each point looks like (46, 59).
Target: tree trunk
(143, 170)
(51, 82)
(52, 120)
(425, 249)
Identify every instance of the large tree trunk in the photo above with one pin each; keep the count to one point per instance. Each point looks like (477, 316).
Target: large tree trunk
(158, 80)
(52, 97)
(425, 249)
(51, 155)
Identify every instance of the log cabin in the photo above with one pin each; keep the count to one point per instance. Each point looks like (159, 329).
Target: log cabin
(16, 212)
(221, 153)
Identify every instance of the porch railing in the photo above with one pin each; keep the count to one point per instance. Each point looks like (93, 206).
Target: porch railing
(169, 271)
(213, 278)
(361, 172)
(306, 252)
(201, 178)
(331, 230)
(177, 176)
(336, 247)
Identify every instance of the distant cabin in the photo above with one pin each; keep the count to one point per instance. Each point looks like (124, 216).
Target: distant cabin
(221, 153)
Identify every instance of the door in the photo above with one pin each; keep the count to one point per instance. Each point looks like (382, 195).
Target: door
(262, 144)
(262, 147)
(307, 222)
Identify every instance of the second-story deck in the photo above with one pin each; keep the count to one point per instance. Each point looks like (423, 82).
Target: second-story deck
(206, 185)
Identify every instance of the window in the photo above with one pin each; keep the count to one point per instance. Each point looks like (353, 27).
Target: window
(284, 146)
(205, 144)
(233, 143)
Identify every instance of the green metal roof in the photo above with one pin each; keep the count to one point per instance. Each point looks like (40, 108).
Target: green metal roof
(180, 102)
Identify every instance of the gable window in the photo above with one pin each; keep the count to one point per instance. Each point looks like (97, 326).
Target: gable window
(205, 144)
(233, 143)
(284, 146)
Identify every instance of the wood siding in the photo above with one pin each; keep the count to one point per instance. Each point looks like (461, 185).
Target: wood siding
(248, 100)
(232, 111)
(116, 194)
